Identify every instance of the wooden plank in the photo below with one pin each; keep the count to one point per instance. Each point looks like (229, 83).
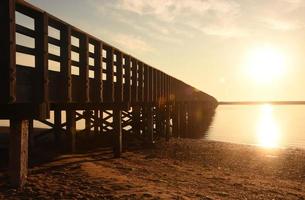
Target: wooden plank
(127, 76)
(146, 83)
(140, 82)
(57, 124)
(117, 125)
(151, 84)
(134, 87)
(109, 85)
(96, 121)
(119, 77)
(150, 125)
(167, 122)
(71, 130)
(99, 70)
(41, 59)
(18, 161)
(54, 41)
(25, 31)
(25, 50)
(65, 54)
(7, 52)
(84, 68)
(155, 85)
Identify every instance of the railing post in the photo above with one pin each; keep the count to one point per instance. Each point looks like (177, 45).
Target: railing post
(41, 59)
(65, 53)
(127, 77)
(99, 70)
(7, 52)
(18, 162)
(109, 93)
(84, 66)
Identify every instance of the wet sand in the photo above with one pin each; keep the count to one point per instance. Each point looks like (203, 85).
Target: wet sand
(179, 169)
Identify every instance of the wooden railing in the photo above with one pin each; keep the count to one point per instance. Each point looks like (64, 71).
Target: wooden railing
(88, 70)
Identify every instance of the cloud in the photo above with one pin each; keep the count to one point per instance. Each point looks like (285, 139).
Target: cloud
(131, 42)
(211, 17)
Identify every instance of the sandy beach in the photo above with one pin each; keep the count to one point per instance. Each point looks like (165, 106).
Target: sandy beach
(179, 169)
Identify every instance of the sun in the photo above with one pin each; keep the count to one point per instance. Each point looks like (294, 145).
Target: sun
(265, 64)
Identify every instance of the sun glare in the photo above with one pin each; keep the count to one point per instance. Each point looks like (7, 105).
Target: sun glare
(268, 132)
(265, 64)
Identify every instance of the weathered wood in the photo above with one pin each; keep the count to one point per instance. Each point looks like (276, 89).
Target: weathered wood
(96, 121)
(31, 135)
(65, 53)
(134, 79)
(84, 67)
(7, 52)
(18, 164)
(146, 83)
(109, 85)
(87, 116)
(151, 85)
(57, 125)
(119, 77)
(117, 125)
(127, 77)
(100, 122)
(41, 59)
(99, 70)
(71, 130)
(167, 122)
(141, 82)
(150, 125)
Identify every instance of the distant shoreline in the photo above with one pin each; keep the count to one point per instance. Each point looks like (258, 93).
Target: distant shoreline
(261, 102)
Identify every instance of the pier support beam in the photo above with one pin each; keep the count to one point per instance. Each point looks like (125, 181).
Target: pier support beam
(31, 135)
(18, 158)
(176, 120)
(182, 114)
(57, 123)
(71, 130)
(136, 112)
(117, 124)
(87, 115)
(96, 121)
(150, 125)
(167, 122)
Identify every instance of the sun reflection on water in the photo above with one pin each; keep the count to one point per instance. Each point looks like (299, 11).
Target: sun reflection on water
(268, 131)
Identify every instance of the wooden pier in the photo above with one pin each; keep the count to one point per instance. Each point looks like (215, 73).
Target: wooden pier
(114, 92)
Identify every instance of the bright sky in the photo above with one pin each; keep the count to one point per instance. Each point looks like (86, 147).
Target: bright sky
(210, 44)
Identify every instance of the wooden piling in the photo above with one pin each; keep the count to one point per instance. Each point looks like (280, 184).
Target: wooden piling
(57, 123)
(31, 135)
(71, 130)
(18, 161)
(7, 52)
(87, 116)
(117, 135)
(167, 122)
(150, 125)
(96, 121)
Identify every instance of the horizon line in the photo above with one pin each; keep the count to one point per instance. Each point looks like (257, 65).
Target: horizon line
(260, 102)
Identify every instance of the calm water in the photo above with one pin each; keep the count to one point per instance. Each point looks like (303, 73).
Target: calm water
(263, 125)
